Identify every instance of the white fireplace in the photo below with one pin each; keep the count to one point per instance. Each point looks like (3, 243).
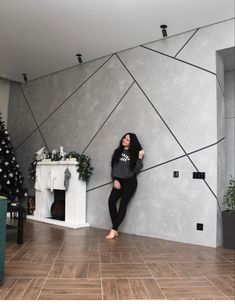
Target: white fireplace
(50, 177)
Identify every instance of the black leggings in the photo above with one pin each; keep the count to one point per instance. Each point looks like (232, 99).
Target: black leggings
(128, 187)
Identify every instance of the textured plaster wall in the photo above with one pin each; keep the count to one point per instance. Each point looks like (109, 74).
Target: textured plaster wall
(4, 98)
(221, 144)
(230, 124)
(166, 92)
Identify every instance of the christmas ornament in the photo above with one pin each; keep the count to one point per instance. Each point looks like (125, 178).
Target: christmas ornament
(9, 181)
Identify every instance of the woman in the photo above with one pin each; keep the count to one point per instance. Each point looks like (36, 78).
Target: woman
(126, 163)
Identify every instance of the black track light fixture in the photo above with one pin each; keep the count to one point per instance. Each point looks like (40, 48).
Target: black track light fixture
(79, 57)
(164, 32)
(25, 77)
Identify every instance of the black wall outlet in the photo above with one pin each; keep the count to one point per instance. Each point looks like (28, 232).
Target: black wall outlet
(200, 226)
(176, 174)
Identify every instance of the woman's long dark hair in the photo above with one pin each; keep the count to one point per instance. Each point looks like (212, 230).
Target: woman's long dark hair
(133, 150)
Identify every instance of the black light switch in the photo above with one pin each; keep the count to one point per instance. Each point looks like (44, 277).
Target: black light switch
(199, 175)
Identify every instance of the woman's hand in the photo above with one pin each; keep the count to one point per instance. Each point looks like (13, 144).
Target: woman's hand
(116, 184)
(141, 154)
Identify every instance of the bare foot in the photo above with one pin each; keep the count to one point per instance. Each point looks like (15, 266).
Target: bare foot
(112, 234)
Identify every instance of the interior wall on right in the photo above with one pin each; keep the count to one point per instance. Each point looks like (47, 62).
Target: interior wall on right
(229, 124)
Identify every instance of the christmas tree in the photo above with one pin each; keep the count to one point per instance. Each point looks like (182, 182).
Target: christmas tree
(11, 179)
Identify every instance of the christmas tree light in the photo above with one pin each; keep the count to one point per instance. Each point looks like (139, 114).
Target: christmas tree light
(11, 179)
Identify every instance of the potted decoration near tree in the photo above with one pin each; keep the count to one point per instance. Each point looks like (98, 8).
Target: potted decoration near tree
(228, 216)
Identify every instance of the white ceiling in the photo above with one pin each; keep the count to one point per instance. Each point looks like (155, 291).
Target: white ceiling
(39, 37)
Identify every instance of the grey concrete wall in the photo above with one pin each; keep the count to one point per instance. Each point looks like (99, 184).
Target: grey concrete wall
(230, 124)
(4, 98)
(166, 93)
(221, 145)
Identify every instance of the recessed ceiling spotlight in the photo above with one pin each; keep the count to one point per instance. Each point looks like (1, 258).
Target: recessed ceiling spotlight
(25, 77)
(79, 57)
(164, 32)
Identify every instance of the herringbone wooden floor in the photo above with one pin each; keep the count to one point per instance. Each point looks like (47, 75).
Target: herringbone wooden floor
(59, 263)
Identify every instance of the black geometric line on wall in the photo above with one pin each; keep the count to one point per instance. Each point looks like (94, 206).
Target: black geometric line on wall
(225, 20)
(108, 117)
(66, 99)
(190, 153)
(217, 78)
(32, 116)
(103, 185)
(152, 41)
(73, 66)
(62, 70)
(186, 42)
(170, 130)
(180, 60)
(105, 62)
(165, 162)
(26, 138)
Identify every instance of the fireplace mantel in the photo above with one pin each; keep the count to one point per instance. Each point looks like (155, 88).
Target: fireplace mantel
(75, 196)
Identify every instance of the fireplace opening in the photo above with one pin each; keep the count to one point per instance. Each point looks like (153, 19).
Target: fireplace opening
(58, 206)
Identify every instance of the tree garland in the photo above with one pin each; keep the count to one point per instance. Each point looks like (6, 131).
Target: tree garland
(84, 167)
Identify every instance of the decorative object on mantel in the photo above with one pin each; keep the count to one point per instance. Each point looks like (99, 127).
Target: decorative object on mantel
(41, 154)
(84, 167)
